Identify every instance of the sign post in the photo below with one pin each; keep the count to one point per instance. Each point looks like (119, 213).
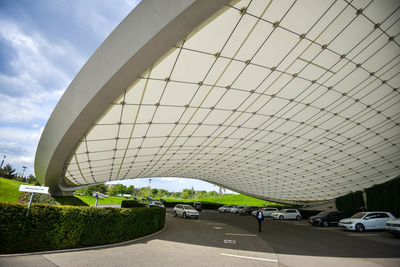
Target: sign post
(98, 195)
(33, 189)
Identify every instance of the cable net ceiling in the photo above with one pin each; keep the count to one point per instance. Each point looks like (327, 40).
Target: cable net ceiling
(286, 100)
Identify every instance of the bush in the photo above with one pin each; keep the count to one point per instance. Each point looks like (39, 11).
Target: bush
(57, 227)
(37, 199)
(385, 197)
(350, 203)
(131, 204)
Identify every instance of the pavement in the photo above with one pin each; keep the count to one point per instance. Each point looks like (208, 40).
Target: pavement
(232, 240)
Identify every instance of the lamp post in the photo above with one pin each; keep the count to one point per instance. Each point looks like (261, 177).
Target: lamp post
(23, 171)
(150, 183)
(4, 157)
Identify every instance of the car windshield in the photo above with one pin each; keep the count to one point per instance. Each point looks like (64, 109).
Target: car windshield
(358, 215)
(281, 210)
(187, 207)
(323, 213)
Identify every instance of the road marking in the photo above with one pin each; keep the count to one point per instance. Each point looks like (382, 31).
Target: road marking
(228, 241)
(240, 234)
(250, 258)
(218, 227)
(362, 235)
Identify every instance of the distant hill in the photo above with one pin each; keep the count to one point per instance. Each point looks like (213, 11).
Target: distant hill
(9, 192)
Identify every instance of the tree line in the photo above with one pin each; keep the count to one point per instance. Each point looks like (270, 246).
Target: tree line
(120, 189)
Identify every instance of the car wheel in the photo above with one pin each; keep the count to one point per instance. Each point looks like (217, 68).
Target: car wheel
(175, 214)
(281, 217)
(360, 228)
(196, 218)
(298, 217)
(184, 215)
(325, 224)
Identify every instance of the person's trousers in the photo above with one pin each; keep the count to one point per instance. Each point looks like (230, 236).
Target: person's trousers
(259, 225)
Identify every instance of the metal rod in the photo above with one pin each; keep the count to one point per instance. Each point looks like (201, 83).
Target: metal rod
(30, 203)
(97, 198)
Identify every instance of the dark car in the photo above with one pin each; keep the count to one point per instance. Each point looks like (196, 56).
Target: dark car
(197, 206)
(247, 210)
(163, 201)
(326, 218)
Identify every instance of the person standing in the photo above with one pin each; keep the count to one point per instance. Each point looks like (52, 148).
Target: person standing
(260, 218)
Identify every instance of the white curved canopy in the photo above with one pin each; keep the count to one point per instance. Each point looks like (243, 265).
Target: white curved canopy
(290, 101)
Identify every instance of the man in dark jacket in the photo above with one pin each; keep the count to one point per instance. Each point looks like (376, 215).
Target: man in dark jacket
(260, 218)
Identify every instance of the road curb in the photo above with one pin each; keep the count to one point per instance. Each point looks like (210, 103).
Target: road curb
(85, 248)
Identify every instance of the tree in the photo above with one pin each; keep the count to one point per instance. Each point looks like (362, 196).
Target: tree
(212, 194)
(146, 192)
(112, 190)
(154, 192)
(202, 194)
(8, 172)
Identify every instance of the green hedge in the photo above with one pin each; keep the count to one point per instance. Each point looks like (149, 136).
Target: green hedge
(350, 203)
(131, 204)
(57, 227)
(385, 197)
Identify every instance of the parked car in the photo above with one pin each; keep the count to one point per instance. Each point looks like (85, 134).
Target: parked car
(326, 218)
(185, 211)
(225, 208)
(266, 211)
(361, 221)
(248, 210)
(286, 214)
(197, 206)
(155, 203)
(235, 209)
(393, 226)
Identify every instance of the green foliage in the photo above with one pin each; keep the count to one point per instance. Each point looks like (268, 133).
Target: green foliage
(7, 171)
(385, 197)
(54, 227)
(131, 204)
(350, 203)
(215, 202)
(9, 190)
(88, 191)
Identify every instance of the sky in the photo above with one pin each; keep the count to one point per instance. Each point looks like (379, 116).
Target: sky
(43, 45)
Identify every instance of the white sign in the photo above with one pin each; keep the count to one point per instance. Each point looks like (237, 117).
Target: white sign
(34, 189)
(99, 195)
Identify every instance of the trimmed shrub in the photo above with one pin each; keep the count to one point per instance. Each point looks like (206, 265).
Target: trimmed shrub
(350, 203)
(385, 197)
(59, 227)
(131, 204)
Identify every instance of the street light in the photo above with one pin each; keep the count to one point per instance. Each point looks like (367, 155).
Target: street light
(23, 171)
(150, 183)
(4, 157)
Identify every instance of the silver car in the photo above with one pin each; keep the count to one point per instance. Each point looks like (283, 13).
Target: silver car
(185, 211)
(267, 212)
(286, 214)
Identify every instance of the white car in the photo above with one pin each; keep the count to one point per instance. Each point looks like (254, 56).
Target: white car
(155, 203)
(225, 208)
(235, 209)
(185, 211)
(286, 214)
(267, 212)
(393, 226)
(361, 221)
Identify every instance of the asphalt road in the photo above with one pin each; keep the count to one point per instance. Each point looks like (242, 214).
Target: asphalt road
(231, 240)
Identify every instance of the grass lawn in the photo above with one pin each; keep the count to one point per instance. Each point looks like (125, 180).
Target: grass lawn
(102, 201)
(239, 200)
(9, 190)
